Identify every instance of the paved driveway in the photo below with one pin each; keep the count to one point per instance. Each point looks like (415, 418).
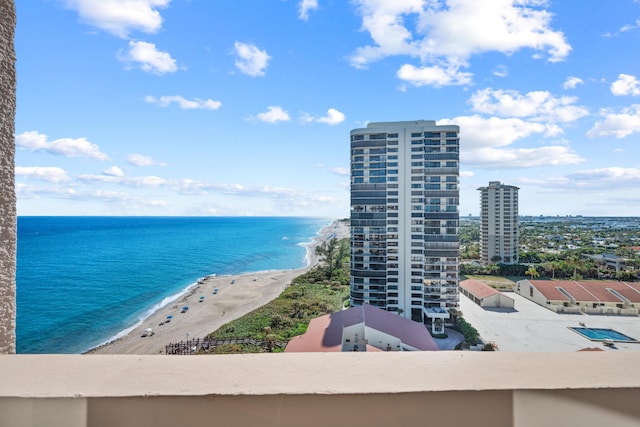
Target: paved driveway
(531, 327)
(453, 339)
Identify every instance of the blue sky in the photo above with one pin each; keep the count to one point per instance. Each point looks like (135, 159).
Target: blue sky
(244, 107)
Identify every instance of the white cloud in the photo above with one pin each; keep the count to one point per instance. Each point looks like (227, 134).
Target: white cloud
(611, 177)
(618, 125)
(466, 174)
(488, 141)
(49, 174)
(148, 58)
(433, 76)
(120, 17)
(333, 117)
(518, 158)
(142, 160)
(626, 85)
(274, 114)
(250, 59)
(26, 191)
(606, 182)
(384, 21)
(447, 33)
(68, 147)
(148, 181)
(109, 196)
(572, 82)
(495, 25)
(501, 71)
(341, 171)
(136, 181)
(479, 132)
(537, 105)
(183, 103)
(306, 6)
(630, 27)
(113, 171)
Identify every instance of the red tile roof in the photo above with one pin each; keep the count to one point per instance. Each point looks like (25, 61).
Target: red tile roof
(549, 289)
(589, 290)
(477, 288)
(630, 291)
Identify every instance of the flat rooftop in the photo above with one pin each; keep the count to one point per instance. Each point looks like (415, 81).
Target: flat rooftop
(532, 328)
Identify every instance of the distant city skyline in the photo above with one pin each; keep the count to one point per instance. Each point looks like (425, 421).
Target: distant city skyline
(174, 107)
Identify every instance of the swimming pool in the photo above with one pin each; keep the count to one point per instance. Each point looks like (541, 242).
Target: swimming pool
(600, 334)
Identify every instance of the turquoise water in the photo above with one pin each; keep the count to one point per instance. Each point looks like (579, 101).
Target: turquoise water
(599, 334)
(82, 281)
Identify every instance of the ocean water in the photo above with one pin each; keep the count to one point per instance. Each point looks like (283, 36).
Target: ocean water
(82, 281)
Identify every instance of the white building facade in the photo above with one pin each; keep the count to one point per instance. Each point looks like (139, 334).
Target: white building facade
(499, 223)
(405, 219)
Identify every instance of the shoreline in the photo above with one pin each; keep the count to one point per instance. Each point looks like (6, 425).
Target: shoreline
(213, 301)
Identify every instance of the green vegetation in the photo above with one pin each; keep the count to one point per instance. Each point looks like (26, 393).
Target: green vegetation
(321, 291)
(531, 271)
(556, 248)
(471, 335)
(469, 240)
(489, 347)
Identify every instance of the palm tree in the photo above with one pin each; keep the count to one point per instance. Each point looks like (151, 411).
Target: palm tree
(532, 272)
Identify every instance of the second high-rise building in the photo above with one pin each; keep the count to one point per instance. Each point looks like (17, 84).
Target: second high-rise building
(404, 219)
(499, 223)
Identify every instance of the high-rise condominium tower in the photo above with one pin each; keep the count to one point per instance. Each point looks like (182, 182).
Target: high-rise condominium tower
(499, 223)
(404, 218)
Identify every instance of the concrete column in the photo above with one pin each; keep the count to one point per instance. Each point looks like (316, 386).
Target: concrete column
(7, 179)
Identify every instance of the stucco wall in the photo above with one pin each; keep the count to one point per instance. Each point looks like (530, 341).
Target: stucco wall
(439, 388)
(7, 183)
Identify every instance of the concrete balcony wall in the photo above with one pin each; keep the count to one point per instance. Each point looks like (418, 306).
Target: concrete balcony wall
(318, 389)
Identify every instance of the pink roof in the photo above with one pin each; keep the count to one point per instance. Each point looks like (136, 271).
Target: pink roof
(477, 288)
(588, 291)
(630, 291)
(577, 291)
(324, 333)
(549, 289)
(633, 285)
(314, 338)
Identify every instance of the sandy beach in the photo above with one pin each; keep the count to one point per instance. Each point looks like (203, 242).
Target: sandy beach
(225, 298)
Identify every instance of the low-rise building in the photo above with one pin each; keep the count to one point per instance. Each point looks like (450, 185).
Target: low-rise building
(609, 260)
(363, 328)
(484, 295)
(589, 296)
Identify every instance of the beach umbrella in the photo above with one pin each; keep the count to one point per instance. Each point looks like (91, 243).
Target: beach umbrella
(169, 317)
(186, 307)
